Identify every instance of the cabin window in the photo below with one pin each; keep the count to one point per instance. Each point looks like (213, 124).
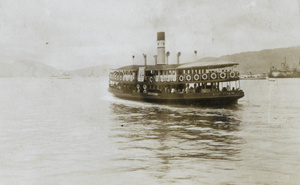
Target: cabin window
(184, 71)
(188, 71)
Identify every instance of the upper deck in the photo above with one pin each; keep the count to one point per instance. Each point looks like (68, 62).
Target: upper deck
(193, 72)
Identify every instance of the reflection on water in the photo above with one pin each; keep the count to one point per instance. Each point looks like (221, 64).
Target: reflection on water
(70, 132)
(157, 137)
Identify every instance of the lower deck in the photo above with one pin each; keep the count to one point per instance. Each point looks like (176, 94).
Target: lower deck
(218, 97)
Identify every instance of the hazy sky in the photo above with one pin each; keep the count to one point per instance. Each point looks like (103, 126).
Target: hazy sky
(83, 33)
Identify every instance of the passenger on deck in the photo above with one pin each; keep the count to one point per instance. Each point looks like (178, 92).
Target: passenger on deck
(197, 89)
(173, 91)
(192, 90)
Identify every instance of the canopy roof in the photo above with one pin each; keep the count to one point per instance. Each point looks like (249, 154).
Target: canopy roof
(207, 64)
(149, 67)
(196, 64)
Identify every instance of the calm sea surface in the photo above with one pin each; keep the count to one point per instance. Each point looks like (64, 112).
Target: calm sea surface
(72, 131)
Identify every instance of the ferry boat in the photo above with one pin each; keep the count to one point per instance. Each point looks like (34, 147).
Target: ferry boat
(214, 82)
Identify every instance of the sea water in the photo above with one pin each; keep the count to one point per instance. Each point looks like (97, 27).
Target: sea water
(72, 131)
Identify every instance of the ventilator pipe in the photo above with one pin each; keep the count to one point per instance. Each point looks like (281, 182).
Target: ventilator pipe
(133, 59)
(178, 55)
(155, 59)
(168, 54)
(145, 58)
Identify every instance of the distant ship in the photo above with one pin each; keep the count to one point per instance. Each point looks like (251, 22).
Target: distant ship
(285, 71)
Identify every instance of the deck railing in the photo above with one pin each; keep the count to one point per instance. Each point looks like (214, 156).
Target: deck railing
(187, 78)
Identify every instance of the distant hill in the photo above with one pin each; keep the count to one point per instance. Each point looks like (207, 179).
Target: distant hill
(102, 70)
(261, 61)
(250, 62)
(26, 68)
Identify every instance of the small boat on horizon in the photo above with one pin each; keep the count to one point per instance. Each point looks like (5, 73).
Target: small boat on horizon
(271, 80)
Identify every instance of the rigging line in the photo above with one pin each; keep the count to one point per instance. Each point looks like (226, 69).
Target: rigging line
(299, 7)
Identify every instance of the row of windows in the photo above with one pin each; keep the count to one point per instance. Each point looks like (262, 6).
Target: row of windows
(173, 71)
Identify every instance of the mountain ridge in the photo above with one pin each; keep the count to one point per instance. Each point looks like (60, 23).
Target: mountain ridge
(260, 61)
(26, 68)
(253, 62)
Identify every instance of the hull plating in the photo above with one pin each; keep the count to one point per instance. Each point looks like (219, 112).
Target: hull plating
(226, 97)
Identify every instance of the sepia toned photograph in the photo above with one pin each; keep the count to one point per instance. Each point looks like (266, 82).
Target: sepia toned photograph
(149, 92)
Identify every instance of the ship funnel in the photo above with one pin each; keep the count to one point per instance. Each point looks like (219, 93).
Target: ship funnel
(178, 55)
(161, 48)
(145, 58)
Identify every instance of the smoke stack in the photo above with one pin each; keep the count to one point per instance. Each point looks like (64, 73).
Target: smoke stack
(168, 54)
(155, 59)
(178, 55)
(161, 48)
(145, 58)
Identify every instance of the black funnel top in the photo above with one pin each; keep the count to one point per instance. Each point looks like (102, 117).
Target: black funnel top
(160, 35)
